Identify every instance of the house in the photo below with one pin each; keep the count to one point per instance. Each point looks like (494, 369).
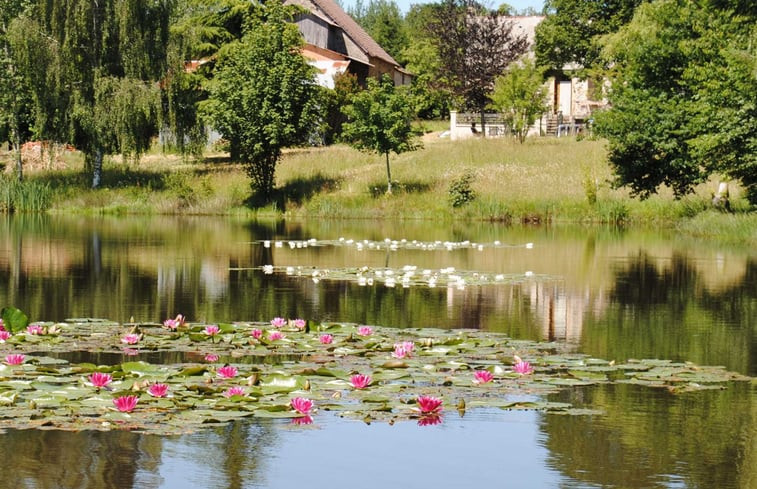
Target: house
(335, 43)
(569, 98)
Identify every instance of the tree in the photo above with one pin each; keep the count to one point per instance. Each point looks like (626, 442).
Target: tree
(684, 97)
(85, 62)
(475, 45)
(380, 121)
(572, 29)
(520, 95)
(264, 96)
(383, 21)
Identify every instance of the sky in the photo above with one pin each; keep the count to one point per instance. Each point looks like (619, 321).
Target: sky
(404, 5)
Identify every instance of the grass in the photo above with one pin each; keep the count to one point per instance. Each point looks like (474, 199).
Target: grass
(542, 180)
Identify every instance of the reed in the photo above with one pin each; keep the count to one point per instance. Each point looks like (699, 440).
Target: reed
(25, 196)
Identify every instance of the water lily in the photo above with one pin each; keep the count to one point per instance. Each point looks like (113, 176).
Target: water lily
(4, 335)
(521, 367)
(173, 324)
(430, 420)
(429, 405)
(364, 330)
(275, 335)
(227, 372)
(234, 391)
(278, 322)
(211, 357)
(403, 349)
(257, 333)
(326, 339)
(99, 379)
(302, 405)
(126, 404)
(14, 359)
(130, 339)
(482, 376)
(35, 329)
(299, 323)
(158, 390)
(212, 329)
(360, 381)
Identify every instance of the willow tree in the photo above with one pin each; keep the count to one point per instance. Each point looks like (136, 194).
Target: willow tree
(94, 69)
(263, 97)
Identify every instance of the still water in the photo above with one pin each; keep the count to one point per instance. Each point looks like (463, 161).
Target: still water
(611, 293)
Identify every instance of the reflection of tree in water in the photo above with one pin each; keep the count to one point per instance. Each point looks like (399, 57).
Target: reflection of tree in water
(651, 438)
(124, 460)
(665, 311)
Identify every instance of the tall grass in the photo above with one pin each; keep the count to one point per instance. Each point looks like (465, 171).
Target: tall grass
(25, 196)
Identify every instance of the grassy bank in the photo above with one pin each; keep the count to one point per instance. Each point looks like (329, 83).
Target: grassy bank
(543, 180)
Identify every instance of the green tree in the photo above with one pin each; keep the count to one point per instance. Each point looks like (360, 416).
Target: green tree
(383, 21)
(684, 97)
(572, 29)
(380, 121)
(520, 95)
(15, 99)
(85, 62)
(264, 97)
(475, 45)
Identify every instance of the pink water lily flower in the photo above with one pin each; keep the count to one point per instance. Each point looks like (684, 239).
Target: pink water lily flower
(429, 405)
(360, 381)
(4, 335)
(130, 339)
(173, 324)
(227, 372)
(35, 329)
(211, 357)
(364, 330)
(212, 329)
(278, 322)
(158, 390)
(275, 335)
(299, 323)
(302, 405)
(482, 376)
(126, 404)
(2, 325)
(99, 379)
(234, 391)
(403, 349)
(257, 333)
(326, 339)
(521, 367)
(14, 359)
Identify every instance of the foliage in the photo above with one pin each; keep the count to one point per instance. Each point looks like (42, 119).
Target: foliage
(571, 32)
(460, 191)
(85, 62)
(345, 86)
(684, 103)
(475, 46)
(24, 196)
(14, 320)
(264, 96)
(520, 95)
(380, 121)
(383, 21)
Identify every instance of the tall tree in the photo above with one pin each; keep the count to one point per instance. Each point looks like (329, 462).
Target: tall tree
(520, 95)
(380, 121)
(264, 97)
(684, 96)
(383, 20)
(86, 62)
(15, 99)
(571, 32)
(475, 45)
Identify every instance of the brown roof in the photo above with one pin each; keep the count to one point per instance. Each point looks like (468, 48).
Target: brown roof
(353, 30)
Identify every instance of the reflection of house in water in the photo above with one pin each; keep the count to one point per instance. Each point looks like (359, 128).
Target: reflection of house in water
(562, 312)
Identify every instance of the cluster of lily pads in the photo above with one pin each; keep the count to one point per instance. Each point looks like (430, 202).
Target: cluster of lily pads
(211, 374)
(391, 244)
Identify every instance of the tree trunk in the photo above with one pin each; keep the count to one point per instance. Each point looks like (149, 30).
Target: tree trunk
(483, 122)
(97, 168)
(388, 175)
(17, 152)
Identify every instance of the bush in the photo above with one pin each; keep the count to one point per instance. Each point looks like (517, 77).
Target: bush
(460, 191)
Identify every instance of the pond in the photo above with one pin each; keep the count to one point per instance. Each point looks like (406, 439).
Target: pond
(614, 294)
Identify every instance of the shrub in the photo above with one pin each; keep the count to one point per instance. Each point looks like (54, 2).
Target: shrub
(460, 191)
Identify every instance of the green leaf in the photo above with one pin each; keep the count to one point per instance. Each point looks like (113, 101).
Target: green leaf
(14, 319)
